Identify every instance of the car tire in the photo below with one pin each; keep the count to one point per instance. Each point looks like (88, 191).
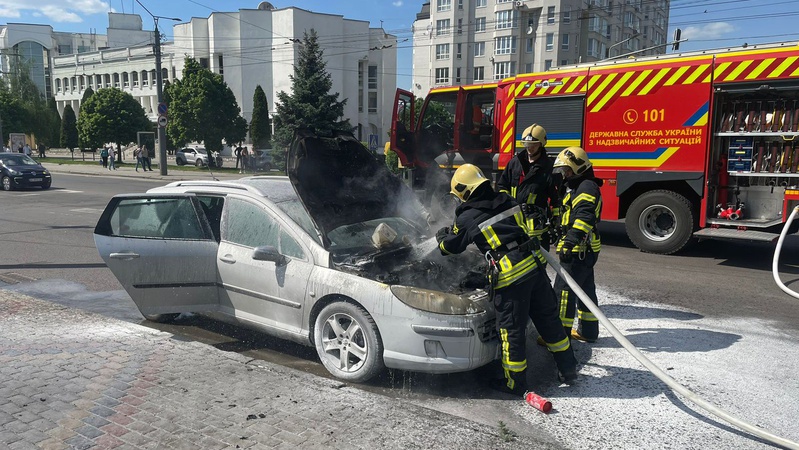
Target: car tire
(7, 184)
(180, 162)
(161, 318)
(345, 327)
(660, 222)
(47, 185)
(198, 162)
(267, 167)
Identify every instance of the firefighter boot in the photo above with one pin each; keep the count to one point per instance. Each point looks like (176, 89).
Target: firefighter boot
(514, 383)
(587, 329)
(567, 366)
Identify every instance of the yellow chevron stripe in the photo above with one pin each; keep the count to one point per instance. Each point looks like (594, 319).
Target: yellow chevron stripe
(717, 73)
(577, 81)
(561, 86)
(680, 72)
(795, 72)
(630, 89)
(510, 106)
(738, 70)
(782, 67)
(702, 121)
(592, 80)
(662, 73)
(529, 90)
(699, 71)
(518, 88)
(612, 92)
(760, 68)
(601, 88)
(544, 89)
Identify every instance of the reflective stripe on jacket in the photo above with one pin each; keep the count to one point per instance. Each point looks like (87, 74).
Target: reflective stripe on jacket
(532, 184)
(580, 214)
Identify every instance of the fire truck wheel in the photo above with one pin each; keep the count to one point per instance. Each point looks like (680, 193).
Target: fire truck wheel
(348, 342)
(660, 222)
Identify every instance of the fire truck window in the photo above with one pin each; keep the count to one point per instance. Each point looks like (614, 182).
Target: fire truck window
(440, 111)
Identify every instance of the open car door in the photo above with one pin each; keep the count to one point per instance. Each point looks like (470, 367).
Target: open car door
(403, 125)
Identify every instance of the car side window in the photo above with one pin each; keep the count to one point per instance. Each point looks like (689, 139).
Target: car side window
(290, 247)
(212, 207)
(249, 225)
(161, 218)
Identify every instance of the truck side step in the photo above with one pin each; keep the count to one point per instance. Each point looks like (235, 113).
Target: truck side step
(732, 233)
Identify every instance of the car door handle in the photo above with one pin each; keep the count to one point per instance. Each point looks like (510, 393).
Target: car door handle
(124, 255)
(227, 259)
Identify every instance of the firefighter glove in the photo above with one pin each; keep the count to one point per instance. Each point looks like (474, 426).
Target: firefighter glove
(565, 253)
(441, 234)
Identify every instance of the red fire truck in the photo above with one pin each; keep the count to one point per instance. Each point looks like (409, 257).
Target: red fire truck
(694, 145)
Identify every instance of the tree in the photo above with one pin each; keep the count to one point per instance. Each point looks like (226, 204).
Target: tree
(54, 136)
(310, 104)
(12, 115)
(69, 128)
(87, 94)
(260, 128)
(111, 115)
(203, 108)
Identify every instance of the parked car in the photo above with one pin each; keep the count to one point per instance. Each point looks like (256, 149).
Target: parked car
(197, 156)
(21, 171)
(336, 255)
(263, 160)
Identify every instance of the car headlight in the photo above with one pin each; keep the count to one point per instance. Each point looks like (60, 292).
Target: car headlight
(438, 302)
(14, 172)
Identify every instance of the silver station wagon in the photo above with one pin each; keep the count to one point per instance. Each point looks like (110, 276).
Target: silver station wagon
(337, 255)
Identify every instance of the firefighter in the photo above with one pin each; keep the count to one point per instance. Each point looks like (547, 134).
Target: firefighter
(578, 247)
(495, 224)
(529, 179)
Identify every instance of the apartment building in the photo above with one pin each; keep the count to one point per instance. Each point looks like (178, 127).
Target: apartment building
(457, 42)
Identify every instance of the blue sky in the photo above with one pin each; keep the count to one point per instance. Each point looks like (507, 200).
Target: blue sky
(705, 23)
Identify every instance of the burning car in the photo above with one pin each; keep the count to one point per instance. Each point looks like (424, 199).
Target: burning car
(336, 255)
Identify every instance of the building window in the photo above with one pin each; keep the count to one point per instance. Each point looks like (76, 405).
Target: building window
(567, 17)
(480, 25)
(107, 82)
(64, 49)
(460, 4)
(550, 41)
(116, 80)
(443, 5)
(457, 75)
(442, 27)
(372, 102)
(442, 51)
(547, 64)
(135, 78)
(528, 67)
(481, 3)
(204, 63)
(458, 53)
(505, 45)
(442, 75)
(529, 46)
(144, 80)
(372, 77)
(564, 41)
(506, 19)
(360, 101)
(504, 70)
(550, 15)
(58, 85)
(221, 62)
(82, 83)
(564, 62)
(460, 26)
(479, 49)
(479, 73)
(125, 79)
(595, 48)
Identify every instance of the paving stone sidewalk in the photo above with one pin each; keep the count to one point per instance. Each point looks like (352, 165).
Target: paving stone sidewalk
(72, 379)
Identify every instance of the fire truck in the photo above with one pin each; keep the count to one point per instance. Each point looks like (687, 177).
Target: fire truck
(698, 145)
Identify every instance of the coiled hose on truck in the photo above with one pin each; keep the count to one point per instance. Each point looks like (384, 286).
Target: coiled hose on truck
(658, 372)
(777, 251)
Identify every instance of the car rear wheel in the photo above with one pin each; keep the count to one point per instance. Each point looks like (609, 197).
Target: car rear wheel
(198, 162)
(7, 186)
(348, 342)
(161, 318)
(267, 167)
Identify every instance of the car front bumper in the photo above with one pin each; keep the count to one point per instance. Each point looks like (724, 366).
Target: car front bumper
(24, 181)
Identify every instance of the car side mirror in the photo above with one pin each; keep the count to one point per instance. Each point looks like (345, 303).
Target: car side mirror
(269, 253)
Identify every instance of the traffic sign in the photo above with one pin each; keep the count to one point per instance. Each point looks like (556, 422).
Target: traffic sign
(162, 121)
(162, 109)
(372, 142)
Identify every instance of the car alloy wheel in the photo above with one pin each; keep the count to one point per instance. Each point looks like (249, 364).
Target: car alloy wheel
(7, 183)
(348, 342)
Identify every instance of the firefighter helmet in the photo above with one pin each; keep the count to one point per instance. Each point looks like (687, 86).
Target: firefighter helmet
(535, 133)
(465, 181)
(574, 158)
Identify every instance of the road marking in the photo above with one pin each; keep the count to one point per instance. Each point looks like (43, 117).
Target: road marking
(27, 195)
(68, 191)
(86, 210)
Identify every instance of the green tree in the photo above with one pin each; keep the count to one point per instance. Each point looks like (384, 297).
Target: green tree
(87, 94)
(310, 104)
(260, 128)
(203, 108)
(69, 128)
(111, 115)
(32, 106)
(54, 136)
(13, 116)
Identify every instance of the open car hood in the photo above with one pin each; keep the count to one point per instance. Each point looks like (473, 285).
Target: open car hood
(341, 182)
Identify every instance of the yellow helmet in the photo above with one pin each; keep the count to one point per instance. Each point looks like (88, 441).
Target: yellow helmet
(575, 158)
(535, 133)
(465, 180)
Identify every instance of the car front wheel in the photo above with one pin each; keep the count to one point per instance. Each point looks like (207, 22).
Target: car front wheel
(47, 185)
(348, 342)
(161, 318)
(7, 186)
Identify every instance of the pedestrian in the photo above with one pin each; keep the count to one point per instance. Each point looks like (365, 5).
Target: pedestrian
(579, 246)
(245, 159)
(238, 156)
(104, 156)
(42, 149)
(137, 155)
(145, 159)
(520, 288)
(20, 149)
(112, 158)
(529, 179)
(27, 150)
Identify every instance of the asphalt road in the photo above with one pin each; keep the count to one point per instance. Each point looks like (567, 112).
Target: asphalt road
(48, 252)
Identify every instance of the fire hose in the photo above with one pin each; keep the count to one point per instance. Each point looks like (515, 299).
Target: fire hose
(658, 372)
(776, 261)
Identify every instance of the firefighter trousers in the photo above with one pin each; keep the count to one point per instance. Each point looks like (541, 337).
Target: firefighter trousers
(582, 270)
(545, 317)
(512, 304)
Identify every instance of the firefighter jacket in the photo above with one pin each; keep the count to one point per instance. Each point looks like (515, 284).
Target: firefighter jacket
(532, 184)
(495, 224)
(580, 211)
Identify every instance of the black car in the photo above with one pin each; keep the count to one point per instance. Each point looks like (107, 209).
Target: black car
(21, 171)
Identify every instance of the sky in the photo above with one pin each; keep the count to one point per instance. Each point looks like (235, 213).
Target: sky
(707, 24)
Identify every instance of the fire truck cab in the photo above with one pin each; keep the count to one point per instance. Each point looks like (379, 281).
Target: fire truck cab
(691, 146)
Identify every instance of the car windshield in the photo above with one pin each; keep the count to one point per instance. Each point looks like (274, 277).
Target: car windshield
(201, 150)
(358, 237)
(18, 160)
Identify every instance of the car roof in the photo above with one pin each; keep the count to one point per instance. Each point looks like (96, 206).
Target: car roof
(275, 188)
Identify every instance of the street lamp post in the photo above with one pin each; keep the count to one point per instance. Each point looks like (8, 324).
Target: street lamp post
(607, 52)
(159, 88)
